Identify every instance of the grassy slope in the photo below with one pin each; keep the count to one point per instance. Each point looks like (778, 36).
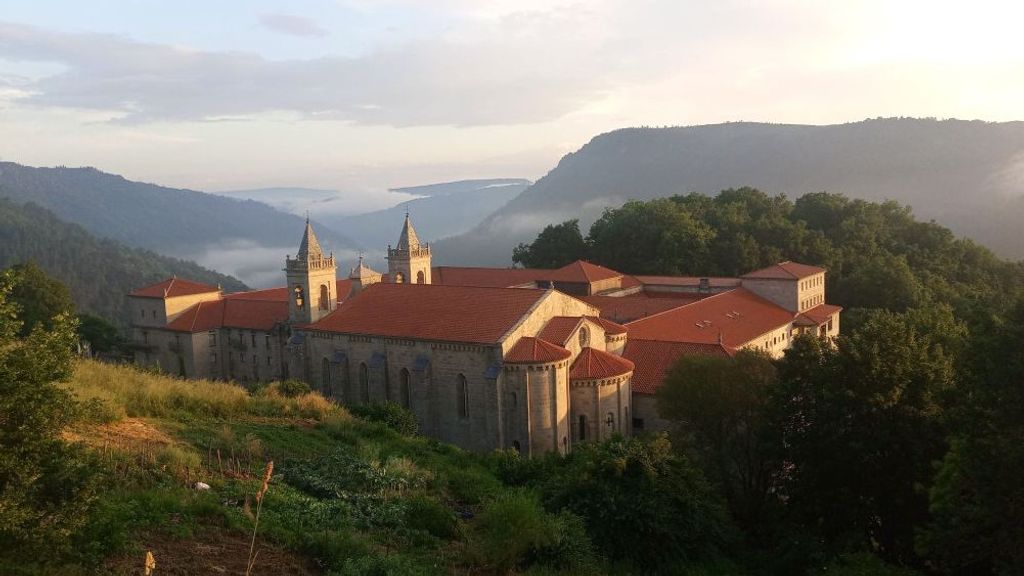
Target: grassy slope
(382, 500)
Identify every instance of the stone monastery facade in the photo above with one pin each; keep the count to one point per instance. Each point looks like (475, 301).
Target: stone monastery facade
(529, 359)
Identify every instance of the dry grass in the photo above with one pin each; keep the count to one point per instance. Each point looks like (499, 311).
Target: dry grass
(124, 392)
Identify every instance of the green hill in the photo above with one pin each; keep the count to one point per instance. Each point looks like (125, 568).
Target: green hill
(98, 272)
(966, 175)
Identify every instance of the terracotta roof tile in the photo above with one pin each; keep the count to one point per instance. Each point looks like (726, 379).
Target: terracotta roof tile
(484, 277)
(268, 294)
(733, 318)
(257, 314)
(653, 360)
(530, 350)
(592, 364)
(785, 271)
(817, 315)
(581, 271)
(635, 306)
(559, 328)
(432, 312)
(610, 327)
(689, 281)
(174, 287)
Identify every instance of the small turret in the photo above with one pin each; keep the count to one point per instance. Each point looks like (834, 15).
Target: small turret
(362, 276)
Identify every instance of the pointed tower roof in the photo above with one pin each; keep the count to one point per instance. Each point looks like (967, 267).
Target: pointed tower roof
(408, 239)
(310, 247)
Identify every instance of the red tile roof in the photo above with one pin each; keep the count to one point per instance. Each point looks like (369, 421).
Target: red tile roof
(689, 281)
(653, 360)
(530, 350)
(485, 277)
(594, 364)
(817, 315)
(173, 287)
(581, 271)
(268, 294)
(785, 271)
(432, 312)
(560, 328)
(610, 327)
(628, 308)
(258, 314)
(732, 318)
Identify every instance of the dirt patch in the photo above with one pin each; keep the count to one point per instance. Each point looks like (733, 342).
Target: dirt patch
(213, 551)
(127, 433)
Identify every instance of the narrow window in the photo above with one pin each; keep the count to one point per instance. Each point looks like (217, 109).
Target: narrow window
(583, 427)
(584, 337)
(609, 421)
(404, 388)
(364, 382)
(325, 376)
(625, 417)
(142, 313)
(253, 338)
(462, 390)
(266, 341)
(419, 277)
(325, 297)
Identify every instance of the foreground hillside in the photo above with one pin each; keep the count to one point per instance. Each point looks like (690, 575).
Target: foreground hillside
(98, 272)
(965, 175)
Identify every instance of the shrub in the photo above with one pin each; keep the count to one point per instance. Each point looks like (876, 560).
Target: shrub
(429, 515)
(292, 388)
(392, 415)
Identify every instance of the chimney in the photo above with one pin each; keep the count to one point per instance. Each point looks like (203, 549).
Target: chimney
(705, 286)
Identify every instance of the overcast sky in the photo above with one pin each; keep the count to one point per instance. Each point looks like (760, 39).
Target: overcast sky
(363, 94)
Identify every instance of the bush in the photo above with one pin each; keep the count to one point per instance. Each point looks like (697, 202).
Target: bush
(429, 515)
(392, 415)
(508, 528)
(291, 388)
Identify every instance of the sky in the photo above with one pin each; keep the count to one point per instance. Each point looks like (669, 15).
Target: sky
(363, 95)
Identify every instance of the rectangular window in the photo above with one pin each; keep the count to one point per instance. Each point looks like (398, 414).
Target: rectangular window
(213, 337)
(253, 339)
(268, 360)
(266, 338)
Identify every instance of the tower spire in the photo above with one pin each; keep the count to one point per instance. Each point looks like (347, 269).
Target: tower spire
(310, 246)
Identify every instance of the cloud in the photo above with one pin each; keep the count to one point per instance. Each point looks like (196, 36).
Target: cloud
(292, 25)
(504, 73)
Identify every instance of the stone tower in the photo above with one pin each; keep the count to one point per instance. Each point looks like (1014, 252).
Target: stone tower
(409, 262)
(312, 281)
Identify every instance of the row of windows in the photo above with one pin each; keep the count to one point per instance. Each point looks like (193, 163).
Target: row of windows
(400, 278)
(775, 340)
(404, 386)
(324, 302)
(812, 282)
(812, 301)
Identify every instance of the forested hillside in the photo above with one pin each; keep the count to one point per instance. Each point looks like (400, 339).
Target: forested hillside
(98, 272)
(168, 220)
(965, 175)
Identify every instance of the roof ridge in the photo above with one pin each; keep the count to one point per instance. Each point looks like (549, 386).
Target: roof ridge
(655, 315)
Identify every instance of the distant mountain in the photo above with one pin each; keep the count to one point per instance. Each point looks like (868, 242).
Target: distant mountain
(99, 272)
(443, 210)
(967, 175)
(213, 230)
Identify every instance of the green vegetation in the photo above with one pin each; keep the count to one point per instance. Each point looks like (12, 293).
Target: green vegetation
(97, 272)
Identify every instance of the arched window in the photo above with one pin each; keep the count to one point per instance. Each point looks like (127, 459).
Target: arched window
(300, 298)
(364, 383)
(325, 297)
(517, 447)
(609, 421)
(325, 377)
(403, 385)
(399, 278)
(420, 278)
(462, 391)
(584, 337)
(515, 400)
(583, 427)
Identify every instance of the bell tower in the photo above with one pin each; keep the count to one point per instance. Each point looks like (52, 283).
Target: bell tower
(312, 281)
(409, 261)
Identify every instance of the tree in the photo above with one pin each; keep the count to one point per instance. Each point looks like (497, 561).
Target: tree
(101, 335)
(977, 500)
(642, 503)
(655, 237)
(556, 246)
(720, 409)
(38, 297)
(43, 482)
(862, 424)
